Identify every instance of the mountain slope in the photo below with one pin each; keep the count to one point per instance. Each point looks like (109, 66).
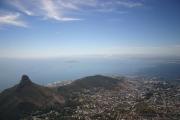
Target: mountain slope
(90, 82)
(26, 97)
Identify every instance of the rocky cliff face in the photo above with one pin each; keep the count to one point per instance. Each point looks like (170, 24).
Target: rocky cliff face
(26, 97)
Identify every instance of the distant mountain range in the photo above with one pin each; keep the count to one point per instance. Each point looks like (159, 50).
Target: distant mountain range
(22, 99)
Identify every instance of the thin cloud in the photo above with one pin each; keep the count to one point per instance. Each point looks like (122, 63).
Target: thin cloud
(61, 10)
(129, 4)
(53, 11)
(47, 9)
(12, 19)
(21, 6)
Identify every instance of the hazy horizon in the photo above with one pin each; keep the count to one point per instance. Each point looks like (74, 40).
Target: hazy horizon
(44, 71)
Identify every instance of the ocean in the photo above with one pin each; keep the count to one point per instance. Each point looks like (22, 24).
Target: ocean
(44, 71)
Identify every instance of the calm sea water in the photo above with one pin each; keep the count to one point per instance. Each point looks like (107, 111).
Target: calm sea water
(44, 71)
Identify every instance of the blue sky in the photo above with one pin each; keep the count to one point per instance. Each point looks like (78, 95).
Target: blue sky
(57, 28)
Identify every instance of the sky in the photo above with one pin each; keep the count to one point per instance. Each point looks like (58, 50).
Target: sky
(58, 28)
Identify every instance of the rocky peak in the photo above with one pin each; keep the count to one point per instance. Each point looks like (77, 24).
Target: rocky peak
(25, 80)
